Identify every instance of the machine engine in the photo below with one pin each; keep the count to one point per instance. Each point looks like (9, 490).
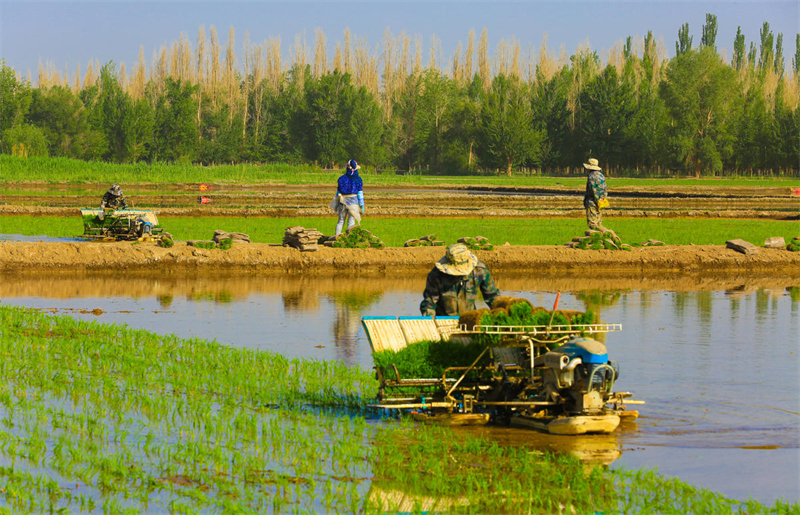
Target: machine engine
(579, 375)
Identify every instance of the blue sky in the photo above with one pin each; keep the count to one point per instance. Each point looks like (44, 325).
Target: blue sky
(71, 33)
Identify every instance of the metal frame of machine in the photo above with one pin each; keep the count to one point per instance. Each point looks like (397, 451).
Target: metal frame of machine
(519, 380)
(120, 224)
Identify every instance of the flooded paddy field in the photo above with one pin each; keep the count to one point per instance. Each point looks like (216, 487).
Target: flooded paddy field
(716, 358)
(437, 199)
(429, 203)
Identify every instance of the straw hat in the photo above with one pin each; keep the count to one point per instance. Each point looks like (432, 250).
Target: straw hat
(115, 190)
(592, 165)
(457, 260)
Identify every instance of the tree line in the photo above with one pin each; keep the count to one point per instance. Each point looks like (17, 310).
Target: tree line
(638, 112)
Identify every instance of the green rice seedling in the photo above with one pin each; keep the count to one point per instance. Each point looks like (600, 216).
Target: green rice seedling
(426, 359)
(522, 314)
(103, 426)
(149, 423)
(166, 242)
(225, 243)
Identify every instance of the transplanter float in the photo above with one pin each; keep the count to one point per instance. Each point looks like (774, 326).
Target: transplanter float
(553, 378)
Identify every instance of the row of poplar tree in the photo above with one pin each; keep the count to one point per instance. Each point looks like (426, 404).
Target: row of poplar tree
(638, 112)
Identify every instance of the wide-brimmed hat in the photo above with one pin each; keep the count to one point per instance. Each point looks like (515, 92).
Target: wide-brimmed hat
(115, 190)
(457, 260)
(593, 164)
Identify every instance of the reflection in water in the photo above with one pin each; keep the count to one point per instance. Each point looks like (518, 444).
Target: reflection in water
(300, 300)
(595, 299)
(218, 296)
(591, 449)
(347, 324)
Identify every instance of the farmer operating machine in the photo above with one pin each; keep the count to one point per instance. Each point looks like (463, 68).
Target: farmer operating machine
(554, 378)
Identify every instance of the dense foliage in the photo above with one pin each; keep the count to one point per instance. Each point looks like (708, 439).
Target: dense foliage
(639, 113)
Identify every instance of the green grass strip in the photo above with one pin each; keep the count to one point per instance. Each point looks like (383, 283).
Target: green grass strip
(395, 231)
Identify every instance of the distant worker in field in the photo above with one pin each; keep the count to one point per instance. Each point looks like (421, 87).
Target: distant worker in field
(595, 197)
(114, 198)
(453, 284)
(349, 200)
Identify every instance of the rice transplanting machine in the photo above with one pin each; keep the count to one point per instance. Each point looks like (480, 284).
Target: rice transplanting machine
(553, 378)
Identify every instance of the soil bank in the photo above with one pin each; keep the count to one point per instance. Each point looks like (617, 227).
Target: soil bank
(266, 258)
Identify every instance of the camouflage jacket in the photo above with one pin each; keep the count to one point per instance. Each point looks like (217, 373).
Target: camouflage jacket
(451, 295)
(111, 200)
(595, 188)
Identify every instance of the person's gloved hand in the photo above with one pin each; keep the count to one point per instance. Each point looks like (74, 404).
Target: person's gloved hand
(362, 210)
(430, 313)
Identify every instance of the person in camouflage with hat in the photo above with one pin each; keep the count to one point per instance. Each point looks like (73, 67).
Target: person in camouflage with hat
(114, 198)
(595, 197)
(453, 284)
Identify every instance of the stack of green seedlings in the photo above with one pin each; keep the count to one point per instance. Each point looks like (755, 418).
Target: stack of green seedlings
(430, 240)
(224, 244)
(476, 243)
(357, 238)
(510, 311)
(428, 359)
(794, 245)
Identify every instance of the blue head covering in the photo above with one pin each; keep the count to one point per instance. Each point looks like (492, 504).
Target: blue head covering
(350, 183)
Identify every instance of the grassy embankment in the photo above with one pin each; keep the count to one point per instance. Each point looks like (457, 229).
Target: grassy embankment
(64, 170)
(395, 231)
(97, 416)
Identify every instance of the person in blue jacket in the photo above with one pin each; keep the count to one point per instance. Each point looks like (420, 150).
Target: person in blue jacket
(349, 199)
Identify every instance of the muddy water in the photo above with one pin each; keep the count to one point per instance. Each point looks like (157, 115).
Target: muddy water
(718, 367)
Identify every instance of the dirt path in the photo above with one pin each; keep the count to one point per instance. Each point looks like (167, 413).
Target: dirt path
(470, 211)
(265, 258)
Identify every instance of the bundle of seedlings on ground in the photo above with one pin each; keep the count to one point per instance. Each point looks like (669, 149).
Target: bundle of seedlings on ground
(166, 240)
(236, 237)
(426, 359)
(225, 244)
(608, 240)
(430, 240)
(302, 238)
(794, 245)
(476, 243)
(510, 311)
(202, 244)
(357, 238)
